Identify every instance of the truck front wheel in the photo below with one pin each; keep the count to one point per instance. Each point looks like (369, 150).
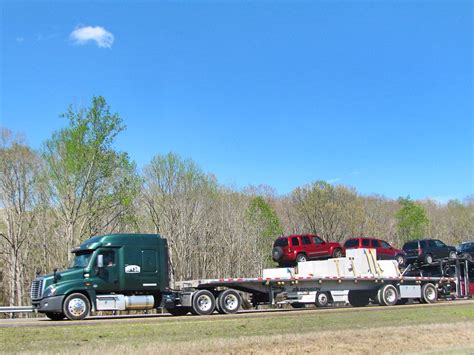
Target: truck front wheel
(76, 306)
(203, 303)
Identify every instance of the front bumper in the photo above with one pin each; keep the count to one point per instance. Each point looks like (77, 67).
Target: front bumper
(49, 304)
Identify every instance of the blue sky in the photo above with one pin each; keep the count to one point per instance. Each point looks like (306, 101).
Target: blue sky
(373, 94)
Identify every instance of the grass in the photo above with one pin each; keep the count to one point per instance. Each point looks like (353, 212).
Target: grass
(285, 332)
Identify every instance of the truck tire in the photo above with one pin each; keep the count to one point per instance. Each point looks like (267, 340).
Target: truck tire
(358, 298)
(178, 311)
(228, 302)
(429, 293)
(337, 253)
(76, 306)
(452, 255)
(301, 258)
(203, 303)
(388, 295)
(322, 299)
(55, 315)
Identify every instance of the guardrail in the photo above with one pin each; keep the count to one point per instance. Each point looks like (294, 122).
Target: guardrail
(16, 309)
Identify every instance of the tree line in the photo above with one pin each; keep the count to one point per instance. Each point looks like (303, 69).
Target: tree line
(79, 185)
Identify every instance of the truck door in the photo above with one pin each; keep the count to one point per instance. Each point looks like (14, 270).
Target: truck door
(107, 275)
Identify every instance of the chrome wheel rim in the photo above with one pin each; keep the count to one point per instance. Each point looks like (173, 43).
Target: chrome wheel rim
(430, 294)
(77, 307)
(322, 298)
(204, 303)
(390, 296)
(231, 302)
(400, 260)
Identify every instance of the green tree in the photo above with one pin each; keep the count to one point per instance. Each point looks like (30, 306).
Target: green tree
(263, 217)
(411, 219)
(91, 185)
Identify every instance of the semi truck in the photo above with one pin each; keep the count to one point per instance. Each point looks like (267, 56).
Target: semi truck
(119, 272)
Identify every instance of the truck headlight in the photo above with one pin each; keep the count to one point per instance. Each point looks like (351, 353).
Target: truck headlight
(49, 292)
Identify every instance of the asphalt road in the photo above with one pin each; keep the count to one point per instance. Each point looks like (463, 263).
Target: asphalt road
(276, 312)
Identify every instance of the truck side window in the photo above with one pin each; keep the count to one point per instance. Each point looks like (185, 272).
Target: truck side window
(385, 245)
(366, 242)
(295, 241)
(109, 258)
(306, 240)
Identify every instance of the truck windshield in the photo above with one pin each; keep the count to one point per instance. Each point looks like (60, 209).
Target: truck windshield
(81, 260)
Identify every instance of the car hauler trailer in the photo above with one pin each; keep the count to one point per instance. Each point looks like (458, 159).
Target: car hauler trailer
(130, 272)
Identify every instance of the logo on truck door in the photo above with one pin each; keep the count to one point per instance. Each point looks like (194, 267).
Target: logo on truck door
(132, 269)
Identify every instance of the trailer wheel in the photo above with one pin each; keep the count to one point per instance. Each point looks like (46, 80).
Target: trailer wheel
(429, 293)
(203, 303)
(178, 311)
(358, 298)
(388, 295)
(76, 306)
(322, 299)
(228, 302)
(55, 315)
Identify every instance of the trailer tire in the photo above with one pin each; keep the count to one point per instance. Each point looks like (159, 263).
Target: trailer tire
(76, 306)
(358, 298)
(203, 303)
(388, 295)
(322, 299)
(55, 315)
(178, 311)
(228, 302)
(429, 293)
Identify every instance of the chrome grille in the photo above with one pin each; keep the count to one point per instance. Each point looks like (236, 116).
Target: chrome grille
(36, 289)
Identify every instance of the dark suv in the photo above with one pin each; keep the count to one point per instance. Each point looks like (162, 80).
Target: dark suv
(466, 250)
(298, 248)
(384, 250)
(428, 250)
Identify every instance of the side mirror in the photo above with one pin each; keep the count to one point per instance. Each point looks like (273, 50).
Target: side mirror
(100, 261)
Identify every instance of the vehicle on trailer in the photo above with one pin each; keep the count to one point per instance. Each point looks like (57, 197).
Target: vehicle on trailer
(466, 250)
(427, 251)
(384, 250)
(290, 250)
(120, 272)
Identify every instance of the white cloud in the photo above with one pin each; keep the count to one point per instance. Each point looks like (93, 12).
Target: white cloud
(334, 180)
(85, 34)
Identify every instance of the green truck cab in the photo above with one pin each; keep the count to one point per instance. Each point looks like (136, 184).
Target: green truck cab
(108, 273)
